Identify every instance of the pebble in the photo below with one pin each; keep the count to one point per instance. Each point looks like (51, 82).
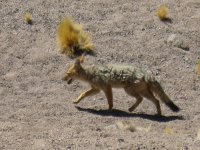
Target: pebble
(177, 41)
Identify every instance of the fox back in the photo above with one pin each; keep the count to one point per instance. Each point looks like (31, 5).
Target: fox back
(113, 75)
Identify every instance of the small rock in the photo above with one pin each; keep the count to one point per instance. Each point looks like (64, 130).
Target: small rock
(120, 125)
(11, 75)
(121, 140)
(123, 126)
(177, 41)
(171, 39)
(98, 129)
(112, 126)
(131, 128)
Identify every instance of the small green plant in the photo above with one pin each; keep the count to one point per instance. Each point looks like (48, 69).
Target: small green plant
(168, 130)
(28, 18)
(162, 12)
(71, 38)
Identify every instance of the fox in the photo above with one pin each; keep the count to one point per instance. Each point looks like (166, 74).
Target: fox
(136, 82)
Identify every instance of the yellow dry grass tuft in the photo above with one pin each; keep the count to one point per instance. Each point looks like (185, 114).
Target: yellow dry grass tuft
(198, 134)
(168, 130)
(162, 12)
(198, 67)
(71, 38)
(28, 18)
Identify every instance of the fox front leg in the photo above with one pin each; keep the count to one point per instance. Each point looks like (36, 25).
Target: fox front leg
(109, 96)
(89, 92)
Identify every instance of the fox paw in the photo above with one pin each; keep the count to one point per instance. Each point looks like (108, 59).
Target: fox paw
(110, 108)
(75, 101)
(130, 110)
(158, 114)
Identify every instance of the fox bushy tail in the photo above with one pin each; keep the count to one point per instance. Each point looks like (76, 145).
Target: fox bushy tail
(158, 90)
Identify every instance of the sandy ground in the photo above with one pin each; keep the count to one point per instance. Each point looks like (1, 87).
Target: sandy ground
(36, 109)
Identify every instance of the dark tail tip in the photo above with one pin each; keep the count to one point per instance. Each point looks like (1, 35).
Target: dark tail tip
(173, 107)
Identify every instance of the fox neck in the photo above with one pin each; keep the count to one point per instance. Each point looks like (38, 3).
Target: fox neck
(82, 74)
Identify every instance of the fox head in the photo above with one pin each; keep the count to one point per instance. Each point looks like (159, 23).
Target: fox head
(73, 70)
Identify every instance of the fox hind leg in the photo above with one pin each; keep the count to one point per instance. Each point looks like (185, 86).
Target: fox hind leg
(149, 95)
(136, 104)
(89, 92)
(139, 99)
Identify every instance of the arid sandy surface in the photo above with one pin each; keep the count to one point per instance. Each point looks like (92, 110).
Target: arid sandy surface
(36, 109)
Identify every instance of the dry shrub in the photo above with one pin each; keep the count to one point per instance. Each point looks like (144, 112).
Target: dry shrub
(198, 134)
(198, 67)
(162, 12)
(28, 18)
(168, 130)
(72, 40)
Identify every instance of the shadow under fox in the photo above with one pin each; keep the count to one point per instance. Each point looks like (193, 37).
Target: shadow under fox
(135, 81)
